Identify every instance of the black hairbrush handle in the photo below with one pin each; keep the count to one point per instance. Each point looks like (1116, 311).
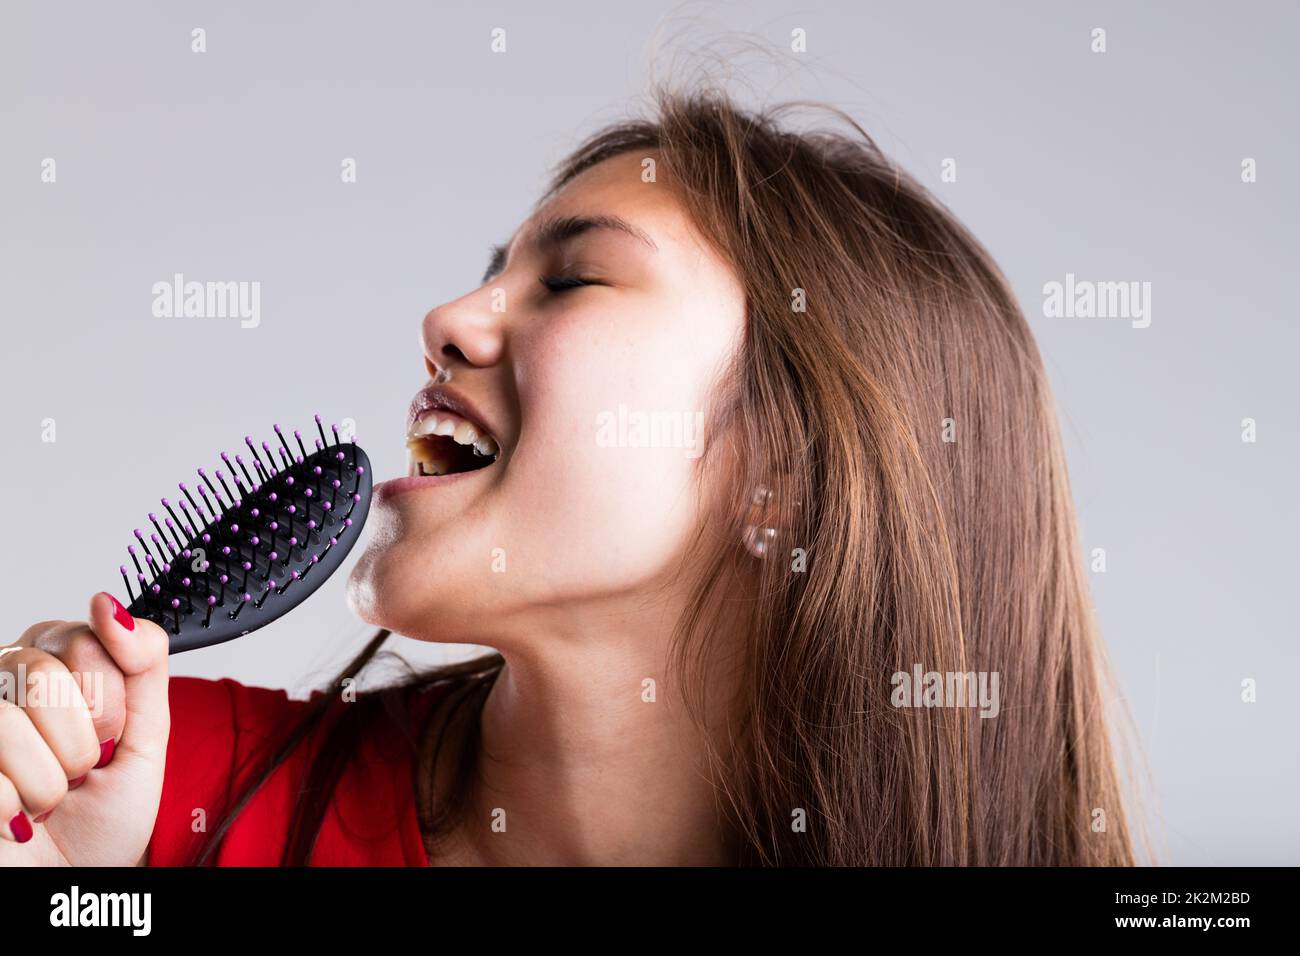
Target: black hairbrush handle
(245, 557)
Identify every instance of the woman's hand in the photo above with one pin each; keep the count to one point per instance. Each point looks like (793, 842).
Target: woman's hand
(84, 722)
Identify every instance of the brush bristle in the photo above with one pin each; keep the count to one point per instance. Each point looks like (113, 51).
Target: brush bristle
(252, 544)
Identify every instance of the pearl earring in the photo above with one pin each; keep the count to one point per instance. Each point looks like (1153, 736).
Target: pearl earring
(758, 540)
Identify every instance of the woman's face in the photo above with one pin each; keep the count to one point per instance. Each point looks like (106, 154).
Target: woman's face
(598, 398)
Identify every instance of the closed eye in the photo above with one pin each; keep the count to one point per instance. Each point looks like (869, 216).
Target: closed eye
(564, 283)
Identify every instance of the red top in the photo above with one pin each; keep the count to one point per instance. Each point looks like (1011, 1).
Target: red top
(217, 726)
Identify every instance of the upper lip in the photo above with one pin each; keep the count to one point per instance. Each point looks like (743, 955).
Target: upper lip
(435, 397)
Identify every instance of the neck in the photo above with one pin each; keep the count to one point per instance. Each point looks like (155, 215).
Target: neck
(588, 756)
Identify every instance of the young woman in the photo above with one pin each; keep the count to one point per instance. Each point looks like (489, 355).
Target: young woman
(769, 525)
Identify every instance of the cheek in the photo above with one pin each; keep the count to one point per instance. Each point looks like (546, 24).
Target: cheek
(611, 440)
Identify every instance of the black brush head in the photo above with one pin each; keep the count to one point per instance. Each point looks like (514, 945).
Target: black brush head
(253, 543)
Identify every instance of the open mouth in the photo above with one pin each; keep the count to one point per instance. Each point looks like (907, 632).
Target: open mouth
(443, 443)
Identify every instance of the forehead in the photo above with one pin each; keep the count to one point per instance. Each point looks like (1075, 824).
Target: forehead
(621, 186)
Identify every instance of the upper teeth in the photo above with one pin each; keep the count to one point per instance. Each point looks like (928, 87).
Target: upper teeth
(465, 434)
(461, 431)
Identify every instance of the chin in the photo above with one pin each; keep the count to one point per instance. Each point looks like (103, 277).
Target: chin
(390, 587)
(383, 571)
(362, 595)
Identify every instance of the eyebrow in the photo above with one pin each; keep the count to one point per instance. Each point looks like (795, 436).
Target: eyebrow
(561, 229)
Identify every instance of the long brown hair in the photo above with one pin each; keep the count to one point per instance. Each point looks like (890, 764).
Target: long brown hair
(889, 391)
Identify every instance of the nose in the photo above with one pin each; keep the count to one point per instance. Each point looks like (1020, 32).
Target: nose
(464, 332)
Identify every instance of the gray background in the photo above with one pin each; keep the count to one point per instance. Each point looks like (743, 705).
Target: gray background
(1116, 166)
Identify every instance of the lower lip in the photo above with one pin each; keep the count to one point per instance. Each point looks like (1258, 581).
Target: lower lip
(400, 486)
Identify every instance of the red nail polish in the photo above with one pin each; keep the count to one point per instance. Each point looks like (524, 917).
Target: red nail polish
(21, 827)
(120, 614)
(43, 817)
(106, 749)
(75, 782)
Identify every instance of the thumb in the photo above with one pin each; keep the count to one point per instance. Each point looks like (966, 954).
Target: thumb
(139, 648)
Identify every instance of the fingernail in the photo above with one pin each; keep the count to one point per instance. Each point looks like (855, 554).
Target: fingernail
(75, 782)
(21, 827)
(106, 752)
(120, 614)
(43, 817)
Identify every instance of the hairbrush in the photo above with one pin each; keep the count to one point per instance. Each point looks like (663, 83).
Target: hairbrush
(216, 568)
